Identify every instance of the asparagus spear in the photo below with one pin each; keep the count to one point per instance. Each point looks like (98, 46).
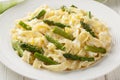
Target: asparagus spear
(44, 59)
(75, 57)
(49, 22)
(41, 13)
(61, 25)
(87, 28)
(95, 49)
(52, 23)
(59, 31)
(24, 25)
(31, 48)
(16, 46)
(55, 42)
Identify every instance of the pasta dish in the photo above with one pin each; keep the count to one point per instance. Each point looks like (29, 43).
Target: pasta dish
(61, 39)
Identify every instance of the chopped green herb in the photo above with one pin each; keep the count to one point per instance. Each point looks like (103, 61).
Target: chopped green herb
(63, 8)
(73, 6)
(89, 14)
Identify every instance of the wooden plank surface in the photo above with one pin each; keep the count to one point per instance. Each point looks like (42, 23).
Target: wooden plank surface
(6, 74)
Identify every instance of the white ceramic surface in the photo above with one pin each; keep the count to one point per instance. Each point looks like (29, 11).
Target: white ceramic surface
(12, 61)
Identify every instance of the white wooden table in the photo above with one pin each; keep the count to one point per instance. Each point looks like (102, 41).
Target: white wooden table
(7, 74)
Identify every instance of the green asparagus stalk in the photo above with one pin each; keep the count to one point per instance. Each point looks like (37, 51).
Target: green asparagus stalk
(49, 22)
(61, 25)
(52, 23)
(41, 13)
(45, 59)
(55, 42)
(75, 57)
(24, 25)
(31, 48)
(95, 49)
(16, 46)
(60, 32)
(87, 28)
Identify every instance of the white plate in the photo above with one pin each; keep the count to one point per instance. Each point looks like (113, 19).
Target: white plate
(12, 61)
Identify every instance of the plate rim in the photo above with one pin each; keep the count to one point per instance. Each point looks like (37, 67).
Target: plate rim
(13, 67)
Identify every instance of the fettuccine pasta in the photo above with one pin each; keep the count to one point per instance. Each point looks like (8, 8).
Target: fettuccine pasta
(60, 39)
